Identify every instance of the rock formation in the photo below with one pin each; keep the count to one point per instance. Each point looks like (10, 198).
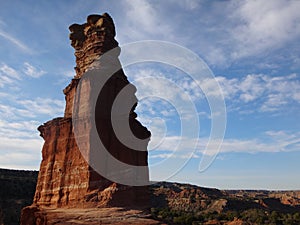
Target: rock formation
(66, 178)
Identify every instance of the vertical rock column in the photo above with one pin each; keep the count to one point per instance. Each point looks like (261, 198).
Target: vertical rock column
(66, 179)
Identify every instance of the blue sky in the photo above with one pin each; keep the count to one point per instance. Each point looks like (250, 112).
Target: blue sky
(252, 48)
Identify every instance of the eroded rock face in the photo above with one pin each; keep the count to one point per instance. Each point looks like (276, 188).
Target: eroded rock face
(66, 179)
(64, 175)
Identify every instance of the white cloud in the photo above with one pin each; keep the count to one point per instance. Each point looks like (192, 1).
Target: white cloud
(20, 129)
(20, 144)
(45, 106)
(168, 82)
(165, 96)
(274, 102)
(15, 41)
(270, 141)
(245, 94)
(20, 153)
(32, 71)
(9, 71)
(251, 88)
(264, 26)
(216, 56)
(268, 93)
(143, 15)
(11, 112)
(265, 32)
(8, 75)
(16, 109)
(17, 153)
(5, 80)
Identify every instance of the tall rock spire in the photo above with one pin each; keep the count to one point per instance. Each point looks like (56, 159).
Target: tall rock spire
(66, 178)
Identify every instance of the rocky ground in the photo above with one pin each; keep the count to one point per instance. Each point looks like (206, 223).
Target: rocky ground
(95, 216)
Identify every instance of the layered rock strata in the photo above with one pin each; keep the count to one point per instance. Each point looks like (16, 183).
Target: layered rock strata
(66, 178)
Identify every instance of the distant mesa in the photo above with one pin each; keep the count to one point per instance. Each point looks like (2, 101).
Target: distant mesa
(66, 180)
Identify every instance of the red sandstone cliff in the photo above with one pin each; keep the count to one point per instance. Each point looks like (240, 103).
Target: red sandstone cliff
(66, 179)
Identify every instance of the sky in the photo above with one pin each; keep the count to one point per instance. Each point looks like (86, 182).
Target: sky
(252, 48)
